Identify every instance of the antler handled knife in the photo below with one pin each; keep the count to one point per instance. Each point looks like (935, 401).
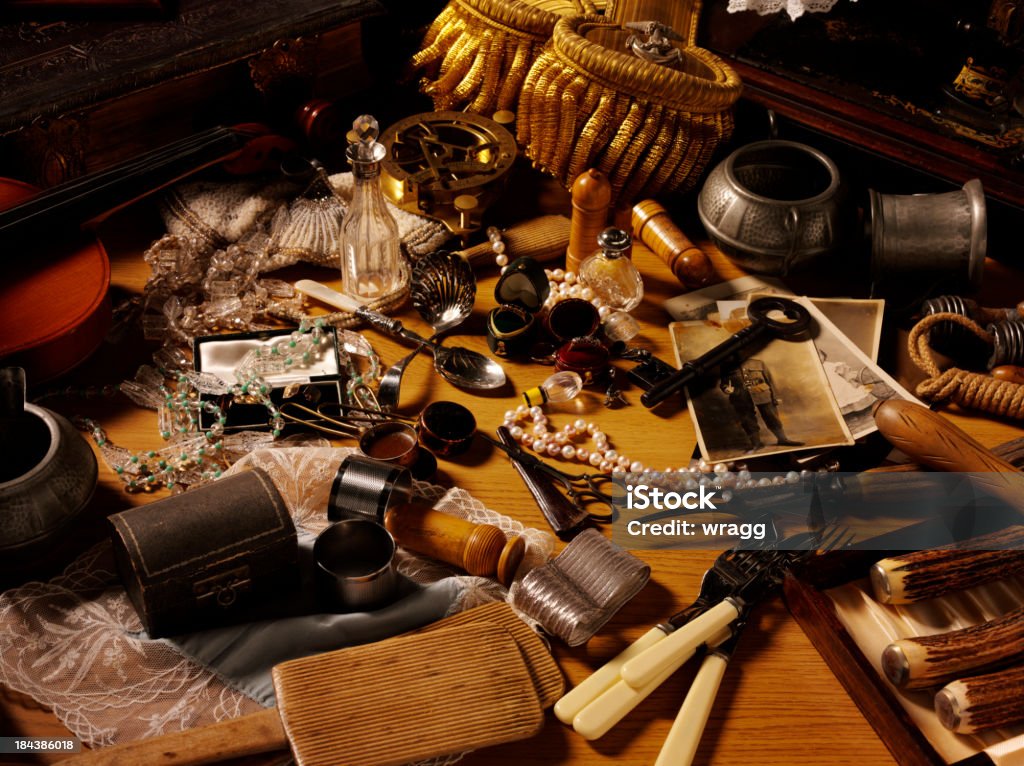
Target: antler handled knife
(982, 702)
(923, 661)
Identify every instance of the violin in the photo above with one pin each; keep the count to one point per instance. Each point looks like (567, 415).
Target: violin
(54, 278)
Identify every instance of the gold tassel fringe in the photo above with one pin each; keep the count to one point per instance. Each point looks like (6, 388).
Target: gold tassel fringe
(476, 54)
(649, 128)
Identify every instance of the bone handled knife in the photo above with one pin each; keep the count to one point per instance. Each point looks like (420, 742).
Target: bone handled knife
(917, 663)
(324, 294)
(679, 646)
(919, 575)
(604, 677)
(983, 702)
(600, 715)
(680, 745)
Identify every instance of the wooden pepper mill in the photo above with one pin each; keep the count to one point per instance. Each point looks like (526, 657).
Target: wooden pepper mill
(653, 226)
(480, 549)
(591, 198)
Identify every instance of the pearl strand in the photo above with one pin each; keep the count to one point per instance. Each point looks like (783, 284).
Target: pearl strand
(554, 443)
(543, 439)
(566, 284)
(562, 284)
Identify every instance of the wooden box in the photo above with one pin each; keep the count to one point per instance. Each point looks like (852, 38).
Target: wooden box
(208, 557)
(815, 599)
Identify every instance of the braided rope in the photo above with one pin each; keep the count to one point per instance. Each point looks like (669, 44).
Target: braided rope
(967, 389)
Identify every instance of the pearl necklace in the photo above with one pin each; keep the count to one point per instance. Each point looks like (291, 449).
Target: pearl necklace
(561, 284)
(544, 439)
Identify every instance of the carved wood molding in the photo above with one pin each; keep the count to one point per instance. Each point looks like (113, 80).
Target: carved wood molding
(56, 146)
(285, 59)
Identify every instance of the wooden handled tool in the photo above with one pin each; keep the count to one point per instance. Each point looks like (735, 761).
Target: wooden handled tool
(982, 702)
(917, 663)
(480, 549)
(935, 442)
(591, 198)
(543, 239)
(653, 226)
(918, 575)
(1008, 372)
(397, 701)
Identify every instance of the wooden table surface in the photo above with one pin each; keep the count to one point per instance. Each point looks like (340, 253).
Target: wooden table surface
(779, 703)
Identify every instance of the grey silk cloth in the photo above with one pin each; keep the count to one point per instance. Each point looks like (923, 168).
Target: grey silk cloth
(242, 656)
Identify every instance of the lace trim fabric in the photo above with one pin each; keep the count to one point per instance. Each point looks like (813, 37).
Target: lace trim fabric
(795, 8)
(217, 214)
(76, 646)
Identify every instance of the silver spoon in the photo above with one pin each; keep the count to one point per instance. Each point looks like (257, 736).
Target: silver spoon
(443, 292)
(460, 366)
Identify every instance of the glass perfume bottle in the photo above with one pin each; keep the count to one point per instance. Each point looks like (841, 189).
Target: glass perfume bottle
(371, 258)
(610, 272)
(560, 387)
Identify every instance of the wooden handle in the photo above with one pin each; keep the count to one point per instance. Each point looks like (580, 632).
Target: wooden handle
(476, 548)
(934, 441)
(603, 678)
(983, 702)
(679, 645)
(1008, 372)
(543, 239)
(597, 718)
(653, 226)
(680, 745)
(917, 663)
(249, 735)
(591, 198)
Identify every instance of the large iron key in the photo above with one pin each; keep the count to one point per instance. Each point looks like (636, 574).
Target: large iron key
(794, 321)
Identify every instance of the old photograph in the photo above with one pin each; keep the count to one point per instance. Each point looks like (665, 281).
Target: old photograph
(699, 304)
(775, 400)
(856, 381)
(860, 320)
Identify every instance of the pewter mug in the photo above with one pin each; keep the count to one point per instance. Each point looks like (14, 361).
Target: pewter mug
(773, 206)
(930, 235)
(49, 472)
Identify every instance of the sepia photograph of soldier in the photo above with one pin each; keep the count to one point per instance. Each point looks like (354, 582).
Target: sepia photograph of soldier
(748, 384)
(771, 399)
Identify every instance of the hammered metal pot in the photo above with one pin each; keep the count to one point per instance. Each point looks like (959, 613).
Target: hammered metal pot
(41, 502)
(773, 206)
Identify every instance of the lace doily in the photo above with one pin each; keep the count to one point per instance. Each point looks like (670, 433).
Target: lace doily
(73, 644)
(795, 8)
(217, 213)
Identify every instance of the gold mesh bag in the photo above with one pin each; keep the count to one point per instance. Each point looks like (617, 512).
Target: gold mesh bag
(649, 128)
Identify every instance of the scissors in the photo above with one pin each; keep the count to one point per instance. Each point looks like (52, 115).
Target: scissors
(586, 495)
